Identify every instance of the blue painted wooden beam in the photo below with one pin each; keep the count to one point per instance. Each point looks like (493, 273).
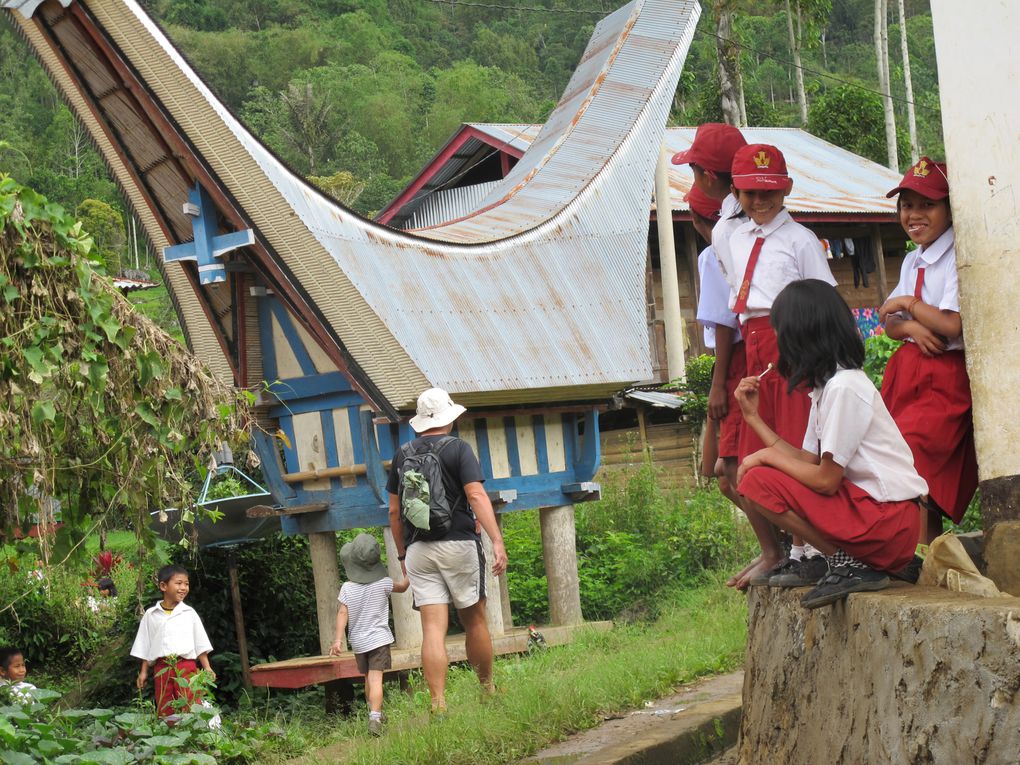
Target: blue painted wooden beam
(208, 247)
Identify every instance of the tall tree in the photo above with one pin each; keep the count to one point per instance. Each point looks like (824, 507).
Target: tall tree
(729, 62)
(884, 81)
(795, 43)
(915, 151)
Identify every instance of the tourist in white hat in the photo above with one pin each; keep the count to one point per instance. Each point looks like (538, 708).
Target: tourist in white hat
(437, 503)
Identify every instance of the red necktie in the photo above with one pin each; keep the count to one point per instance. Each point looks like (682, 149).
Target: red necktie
(745, 286)
(919, 283)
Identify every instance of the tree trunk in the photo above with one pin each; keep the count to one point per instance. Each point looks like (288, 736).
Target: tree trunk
(915, 150)
(882, 55)
(729, 64)
(797, 71)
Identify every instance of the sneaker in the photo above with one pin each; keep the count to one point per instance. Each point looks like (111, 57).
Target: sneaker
(841, 581)
(762, 580)
(375, 726)
(911, 572)
(807, 573)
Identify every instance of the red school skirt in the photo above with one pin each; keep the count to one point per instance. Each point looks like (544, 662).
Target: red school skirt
(730, 425)
(881, 534)
(929, 398)
(786, 413)
(167, 687)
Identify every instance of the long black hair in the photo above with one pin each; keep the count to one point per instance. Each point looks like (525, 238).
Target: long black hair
(816, 333)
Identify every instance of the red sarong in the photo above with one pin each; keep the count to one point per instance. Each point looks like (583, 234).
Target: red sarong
(881, 534)
(729, 426)
(929, 398)
(167, 687)
(786, 413)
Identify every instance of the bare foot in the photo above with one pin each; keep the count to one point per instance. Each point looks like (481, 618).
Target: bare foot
(732, 581)
(764, 564)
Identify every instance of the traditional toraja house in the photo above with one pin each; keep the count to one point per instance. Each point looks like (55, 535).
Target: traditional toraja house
(341, 322)
(836, 193)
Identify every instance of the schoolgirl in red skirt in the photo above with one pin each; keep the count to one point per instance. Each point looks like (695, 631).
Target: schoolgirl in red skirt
(926, 387)
(849, 486)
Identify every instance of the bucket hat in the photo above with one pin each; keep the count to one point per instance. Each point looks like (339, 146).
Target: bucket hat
(435, 409)
(361, 561)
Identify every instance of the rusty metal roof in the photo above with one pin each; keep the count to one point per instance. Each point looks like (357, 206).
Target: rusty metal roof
(537, 296)
(828, 180)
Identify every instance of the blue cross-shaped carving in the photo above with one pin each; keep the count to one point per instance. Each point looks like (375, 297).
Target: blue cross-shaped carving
(207, 247)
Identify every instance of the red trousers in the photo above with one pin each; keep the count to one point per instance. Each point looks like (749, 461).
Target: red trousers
(167, 687)
(882, 534)
(786, 413)
(730, 425)
(929, 398)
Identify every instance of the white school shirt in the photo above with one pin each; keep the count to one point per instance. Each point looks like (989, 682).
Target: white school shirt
(713, 302)
(941, 286)
(179, 633)
(848, 420)
(790, 252)
(731, 215)
(368, 613)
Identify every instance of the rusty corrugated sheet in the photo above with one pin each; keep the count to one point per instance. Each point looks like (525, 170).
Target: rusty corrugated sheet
(538, 295)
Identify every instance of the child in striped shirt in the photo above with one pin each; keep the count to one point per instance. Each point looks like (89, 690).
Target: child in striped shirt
(365, 614)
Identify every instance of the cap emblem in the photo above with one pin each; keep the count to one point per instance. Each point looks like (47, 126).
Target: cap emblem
(921, 169)
(762, 160)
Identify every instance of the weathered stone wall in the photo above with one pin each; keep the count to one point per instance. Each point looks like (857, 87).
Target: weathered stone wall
(908, 676)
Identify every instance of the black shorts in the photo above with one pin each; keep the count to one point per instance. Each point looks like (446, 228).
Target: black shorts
(378, 658)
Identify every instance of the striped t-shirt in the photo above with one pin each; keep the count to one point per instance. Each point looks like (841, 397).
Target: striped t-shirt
(368, 614)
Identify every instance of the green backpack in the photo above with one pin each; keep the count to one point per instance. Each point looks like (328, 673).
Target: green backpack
(423, 501)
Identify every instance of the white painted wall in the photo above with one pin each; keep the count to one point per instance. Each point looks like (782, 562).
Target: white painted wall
(979, 78)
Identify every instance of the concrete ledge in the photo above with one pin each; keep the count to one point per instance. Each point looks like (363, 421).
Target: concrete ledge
(908, 675)
(688, 738)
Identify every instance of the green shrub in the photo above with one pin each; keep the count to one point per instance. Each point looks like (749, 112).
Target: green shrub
(878, 349)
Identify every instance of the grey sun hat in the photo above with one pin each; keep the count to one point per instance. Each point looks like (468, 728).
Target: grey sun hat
(360, 557)
(435, 409)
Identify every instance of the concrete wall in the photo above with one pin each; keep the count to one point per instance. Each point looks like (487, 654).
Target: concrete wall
(908, 676)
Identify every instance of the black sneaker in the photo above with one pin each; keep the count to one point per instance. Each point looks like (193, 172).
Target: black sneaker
(810, 572)
(841, 581)
(911, 572)
(762, 580)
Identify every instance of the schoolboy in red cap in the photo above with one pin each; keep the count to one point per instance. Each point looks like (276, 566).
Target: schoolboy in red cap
(721, 435)
(764, 253)
(711, 157)
(924, 311)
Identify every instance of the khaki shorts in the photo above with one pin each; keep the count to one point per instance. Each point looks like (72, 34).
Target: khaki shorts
(446, 572)
(377, 658)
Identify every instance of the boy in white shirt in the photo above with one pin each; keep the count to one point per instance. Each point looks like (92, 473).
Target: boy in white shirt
(365, 613)
(173, 640)
(12, 675)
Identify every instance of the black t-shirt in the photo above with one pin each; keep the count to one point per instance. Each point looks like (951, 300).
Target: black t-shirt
(460, 466)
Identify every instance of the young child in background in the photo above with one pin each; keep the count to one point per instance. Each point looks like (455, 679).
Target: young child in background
(12, 676)
(172, 640)
(723, 433)
(925, 386)
(365, 613)
(848, 485)
(769, 250)
(711, 159)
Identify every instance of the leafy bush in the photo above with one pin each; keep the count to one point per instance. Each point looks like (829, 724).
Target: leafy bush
(878, 349)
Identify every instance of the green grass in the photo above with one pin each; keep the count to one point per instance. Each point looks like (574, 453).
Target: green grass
(553, 693)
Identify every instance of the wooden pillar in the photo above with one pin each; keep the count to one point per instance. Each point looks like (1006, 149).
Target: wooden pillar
(559, 549)
(493, 605)
(876, 243)
(673, 322)
(326, 575)
(504, 590)
(406, 621)
(242, 638)
(979, 125)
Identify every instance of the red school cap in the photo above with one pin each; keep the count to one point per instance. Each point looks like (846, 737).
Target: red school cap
(927, 178)
(714, 146)
(760, 166)
(702, 203)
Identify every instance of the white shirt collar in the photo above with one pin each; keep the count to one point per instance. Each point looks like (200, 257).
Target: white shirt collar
(934, 251)
(750, 227)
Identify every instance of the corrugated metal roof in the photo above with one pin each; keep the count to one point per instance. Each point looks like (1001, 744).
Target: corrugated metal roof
(538, 295)
(827, 178)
